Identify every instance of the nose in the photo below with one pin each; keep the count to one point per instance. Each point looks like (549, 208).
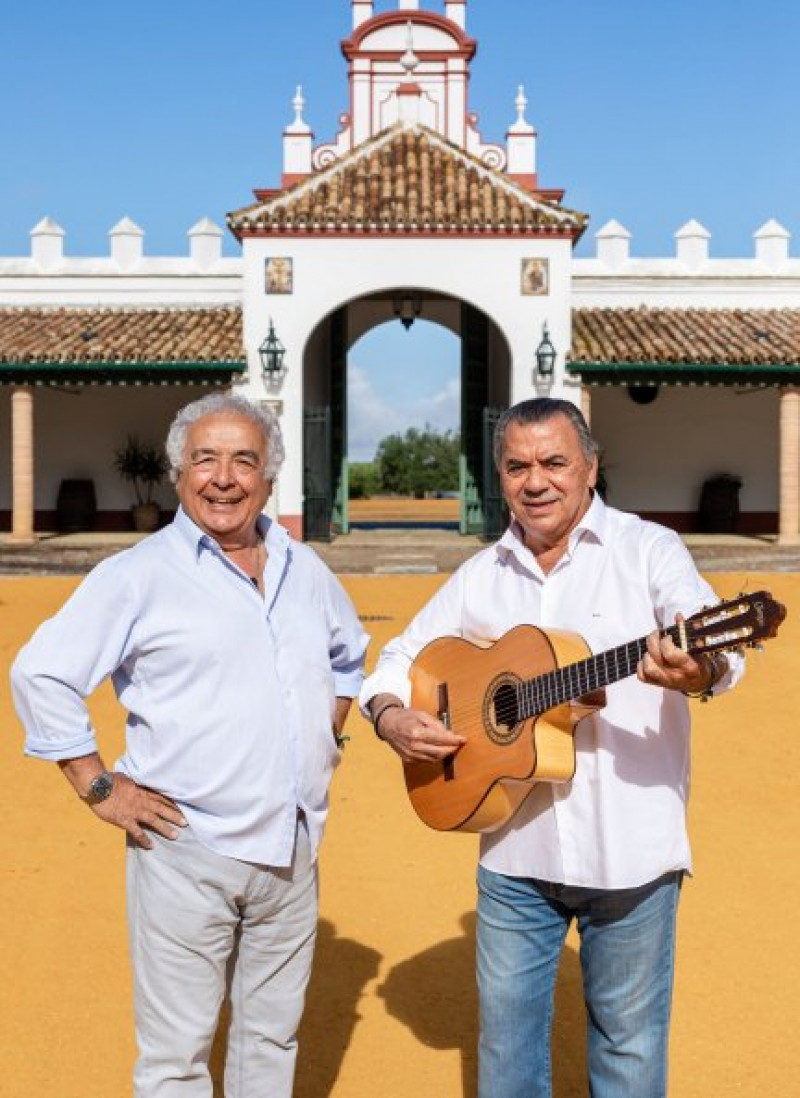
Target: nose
(223, 473)
(535, 480)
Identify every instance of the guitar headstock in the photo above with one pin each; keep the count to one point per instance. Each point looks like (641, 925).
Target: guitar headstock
(746, 620)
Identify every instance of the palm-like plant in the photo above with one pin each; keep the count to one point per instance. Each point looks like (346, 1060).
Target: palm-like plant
(144, 466)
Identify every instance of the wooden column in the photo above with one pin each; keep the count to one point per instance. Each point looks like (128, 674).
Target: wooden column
(22, 463)
(789, 518)
(586, 404)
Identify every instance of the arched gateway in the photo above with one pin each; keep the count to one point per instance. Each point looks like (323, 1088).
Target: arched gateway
(409, 212)
(485, 376)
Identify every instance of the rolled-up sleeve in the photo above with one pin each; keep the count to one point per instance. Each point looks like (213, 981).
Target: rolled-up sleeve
(66, 659)
(348, 640)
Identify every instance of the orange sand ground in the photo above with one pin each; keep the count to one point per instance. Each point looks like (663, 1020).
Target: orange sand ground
(401, 509)
(392, 1003)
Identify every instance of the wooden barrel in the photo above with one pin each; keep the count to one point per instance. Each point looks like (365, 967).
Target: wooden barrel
(76, 506)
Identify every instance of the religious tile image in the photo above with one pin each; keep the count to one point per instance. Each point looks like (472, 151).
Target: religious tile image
(535, 277)
(279, 274)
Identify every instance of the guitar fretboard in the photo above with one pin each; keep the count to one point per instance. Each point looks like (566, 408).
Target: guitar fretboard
(565, 684)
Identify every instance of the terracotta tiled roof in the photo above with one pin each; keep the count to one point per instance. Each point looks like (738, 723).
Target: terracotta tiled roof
(162, 340)
(407, 179)
(679, 339)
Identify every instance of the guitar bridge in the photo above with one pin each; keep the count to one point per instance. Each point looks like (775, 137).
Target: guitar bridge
(443, 713)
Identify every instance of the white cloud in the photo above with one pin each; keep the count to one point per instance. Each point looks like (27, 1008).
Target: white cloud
(372, 419)
(442, 410)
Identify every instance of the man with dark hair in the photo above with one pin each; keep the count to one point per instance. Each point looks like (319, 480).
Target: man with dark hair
(608, 848)
(236, 653)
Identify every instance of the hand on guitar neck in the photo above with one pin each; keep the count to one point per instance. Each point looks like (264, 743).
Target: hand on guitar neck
(415, 735)
(665, 664)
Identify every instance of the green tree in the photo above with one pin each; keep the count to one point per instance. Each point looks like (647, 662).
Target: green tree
(419, 461)
(365, 479)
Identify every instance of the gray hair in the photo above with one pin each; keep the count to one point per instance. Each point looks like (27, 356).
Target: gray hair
(225, 404)
(537, 410)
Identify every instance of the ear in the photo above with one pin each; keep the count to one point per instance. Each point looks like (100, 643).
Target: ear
(593, 471)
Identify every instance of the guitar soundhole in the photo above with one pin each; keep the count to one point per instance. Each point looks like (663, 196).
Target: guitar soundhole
(501, 711)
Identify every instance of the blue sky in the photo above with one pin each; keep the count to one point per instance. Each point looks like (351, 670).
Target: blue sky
(649, 111)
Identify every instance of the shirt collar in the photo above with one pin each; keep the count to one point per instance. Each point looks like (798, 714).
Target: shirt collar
(592, 524)
(275, 537)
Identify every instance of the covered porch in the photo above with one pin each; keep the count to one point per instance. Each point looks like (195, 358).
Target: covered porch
(79, 381)
(679, 398)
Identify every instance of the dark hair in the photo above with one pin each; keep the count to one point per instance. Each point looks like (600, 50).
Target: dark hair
(537, 410)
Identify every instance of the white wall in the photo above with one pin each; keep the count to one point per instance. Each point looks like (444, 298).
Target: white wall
(658, 455)
(330, 273)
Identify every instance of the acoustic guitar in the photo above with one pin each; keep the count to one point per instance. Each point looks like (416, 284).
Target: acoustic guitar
(520, 729)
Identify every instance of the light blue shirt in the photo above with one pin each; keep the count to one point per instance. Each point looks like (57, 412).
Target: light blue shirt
(230, 696)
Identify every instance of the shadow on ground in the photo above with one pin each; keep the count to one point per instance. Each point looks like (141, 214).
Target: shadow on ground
(434, 994)
(342, 968)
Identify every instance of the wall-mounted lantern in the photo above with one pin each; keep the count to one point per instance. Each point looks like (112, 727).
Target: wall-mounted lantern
(271, 352)
(545, 355)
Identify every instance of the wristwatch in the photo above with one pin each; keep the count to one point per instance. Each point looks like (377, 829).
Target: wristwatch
(100, 788)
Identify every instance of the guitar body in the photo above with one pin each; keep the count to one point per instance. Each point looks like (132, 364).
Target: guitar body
(481, 786)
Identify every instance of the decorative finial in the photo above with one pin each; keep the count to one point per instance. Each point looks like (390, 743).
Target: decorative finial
(299, 103)
(521, 104)
(409, 60)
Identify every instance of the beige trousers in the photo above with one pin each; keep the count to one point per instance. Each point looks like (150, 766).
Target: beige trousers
(202, 926)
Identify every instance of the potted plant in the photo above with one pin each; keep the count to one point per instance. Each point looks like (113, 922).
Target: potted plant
(145, 467)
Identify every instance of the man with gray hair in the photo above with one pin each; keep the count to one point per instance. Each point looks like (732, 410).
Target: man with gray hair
(236, 653)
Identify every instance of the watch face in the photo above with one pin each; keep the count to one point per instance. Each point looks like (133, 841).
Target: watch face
(101, 786)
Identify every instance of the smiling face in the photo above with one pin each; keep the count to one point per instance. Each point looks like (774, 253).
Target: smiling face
(547, 481)
(221, 483)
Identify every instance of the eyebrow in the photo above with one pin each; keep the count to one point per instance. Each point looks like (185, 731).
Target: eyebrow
(207, 451)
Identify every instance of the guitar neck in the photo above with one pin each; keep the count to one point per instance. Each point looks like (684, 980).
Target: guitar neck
(573, 681)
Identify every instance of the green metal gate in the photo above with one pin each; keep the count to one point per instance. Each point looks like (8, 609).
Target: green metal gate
(325, 471)
(482, 508)
(340, 487)
(318, 499)
(495, 513)
(474, 391)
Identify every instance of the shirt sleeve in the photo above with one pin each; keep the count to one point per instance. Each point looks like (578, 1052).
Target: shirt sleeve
(442, 616)
(66, 659)
(676, 587)
(348, 640)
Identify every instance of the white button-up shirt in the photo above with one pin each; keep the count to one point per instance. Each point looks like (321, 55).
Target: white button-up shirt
(230, 695)
(620, 822)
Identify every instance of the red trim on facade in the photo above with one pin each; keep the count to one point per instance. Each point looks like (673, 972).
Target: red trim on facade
(529, 182)
(265, 194)
(352, 45)
(288, 179)
(294, 524)
(382, 234)
(408, 89)
(686, 522)
(423, 55)
(551, 196)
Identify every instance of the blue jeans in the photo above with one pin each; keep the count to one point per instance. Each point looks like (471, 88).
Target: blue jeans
(627, 952)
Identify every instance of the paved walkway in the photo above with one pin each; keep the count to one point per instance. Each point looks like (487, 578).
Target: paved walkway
(383, 552)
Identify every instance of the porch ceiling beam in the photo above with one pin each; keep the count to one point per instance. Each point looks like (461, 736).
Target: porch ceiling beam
(684, 373)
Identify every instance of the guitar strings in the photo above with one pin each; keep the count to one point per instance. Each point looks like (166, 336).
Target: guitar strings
(563, 684)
